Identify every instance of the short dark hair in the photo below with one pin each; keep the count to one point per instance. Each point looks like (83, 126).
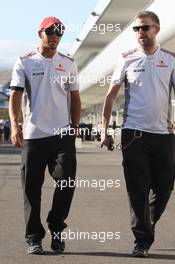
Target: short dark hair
(150, 14)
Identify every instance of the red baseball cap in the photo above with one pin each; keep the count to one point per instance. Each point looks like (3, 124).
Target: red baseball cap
(49, 21)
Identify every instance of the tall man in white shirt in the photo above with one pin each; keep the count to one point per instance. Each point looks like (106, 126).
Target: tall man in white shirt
(148, 73)
(46, 83)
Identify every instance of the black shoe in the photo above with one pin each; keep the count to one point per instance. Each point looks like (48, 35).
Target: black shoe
(35, 247)
(140, 251)
(57, 243)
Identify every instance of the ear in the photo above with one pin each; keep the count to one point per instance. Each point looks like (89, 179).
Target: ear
(157, 30)
(39, 34)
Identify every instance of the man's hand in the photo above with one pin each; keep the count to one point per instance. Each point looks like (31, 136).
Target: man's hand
(108, 141)
(105, 140)
(107, 110)
(16, 136)
(77, 131)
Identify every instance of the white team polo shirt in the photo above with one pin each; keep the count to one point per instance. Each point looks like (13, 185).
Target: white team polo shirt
(149, 80)
(46, 85)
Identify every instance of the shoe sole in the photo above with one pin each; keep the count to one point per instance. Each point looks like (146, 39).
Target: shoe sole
(59, 251)
(140, 255)
(36, 250)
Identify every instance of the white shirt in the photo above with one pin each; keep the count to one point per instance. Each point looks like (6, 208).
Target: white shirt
(149, 80)
(46, 85)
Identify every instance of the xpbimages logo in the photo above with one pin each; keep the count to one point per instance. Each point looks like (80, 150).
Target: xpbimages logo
(71, 131)
(76, 234)
(101, 184)
(93, 79)
(101, 28)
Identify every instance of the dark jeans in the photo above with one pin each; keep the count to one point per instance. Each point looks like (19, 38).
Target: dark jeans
(148, 161)
(60, 156)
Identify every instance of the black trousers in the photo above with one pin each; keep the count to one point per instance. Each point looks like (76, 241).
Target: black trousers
(148, 162)
(60, 156)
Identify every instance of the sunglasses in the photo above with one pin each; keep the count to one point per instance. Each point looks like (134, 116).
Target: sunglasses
(54, 29)
(144, 27)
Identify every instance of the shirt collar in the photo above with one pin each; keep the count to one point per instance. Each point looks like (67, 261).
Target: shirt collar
(150, 56)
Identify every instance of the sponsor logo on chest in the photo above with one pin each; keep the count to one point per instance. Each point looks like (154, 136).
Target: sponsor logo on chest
(162, 64)
(60, 67)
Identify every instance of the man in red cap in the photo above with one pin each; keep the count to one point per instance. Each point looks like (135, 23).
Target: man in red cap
(46, 82)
